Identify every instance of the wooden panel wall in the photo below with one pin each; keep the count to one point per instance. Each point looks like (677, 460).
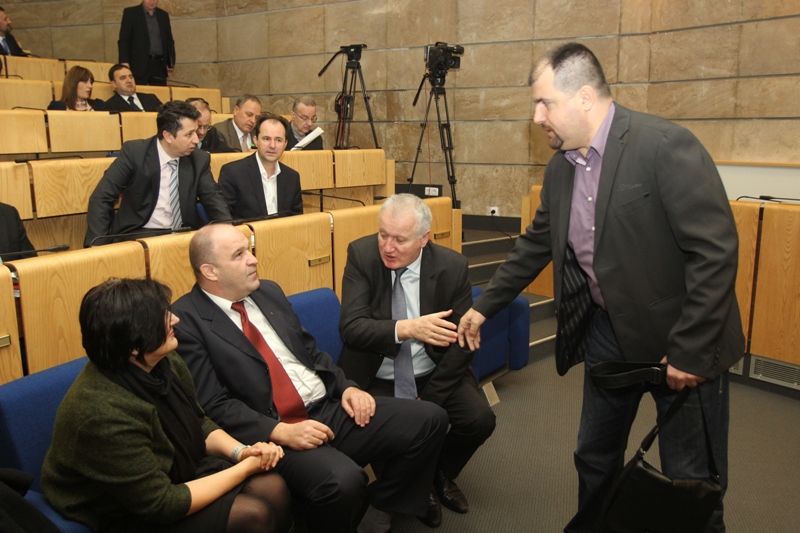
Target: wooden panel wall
(83, 132)
(746, 216)
(25, 93)
(10, 356)
(543, 284)
(15, 188)
(23, 132)
(63, 186)
(138, 125)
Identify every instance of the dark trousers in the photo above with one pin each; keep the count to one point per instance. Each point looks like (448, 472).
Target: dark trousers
(472, 420)
(156, 73)
(405, 435)
(606, 419)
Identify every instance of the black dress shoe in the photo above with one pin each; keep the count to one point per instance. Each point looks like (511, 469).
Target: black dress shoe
(433, 517)
(449, 493)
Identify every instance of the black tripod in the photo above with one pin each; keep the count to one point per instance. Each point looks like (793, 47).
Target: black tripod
(437, 89)
(345, 101)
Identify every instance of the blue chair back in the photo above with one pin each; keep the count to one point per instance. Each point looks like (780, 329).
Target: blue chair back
(318, 311)
(504, 339)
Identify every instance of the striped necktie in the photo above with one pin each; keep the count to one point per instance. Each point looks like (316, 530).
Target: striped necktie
(404, 384)
(174, 202)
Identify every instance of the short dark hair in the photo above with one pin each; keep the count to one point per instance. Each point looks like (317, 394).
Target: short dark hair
(121, 317)
(170, 116)
(247, 98)
(574, 66)
(270, 117)
(115, 68)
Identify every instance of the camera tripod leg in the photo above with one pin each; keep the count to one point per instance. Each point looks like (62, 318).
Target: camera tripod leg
(369, 109)
(423, 126)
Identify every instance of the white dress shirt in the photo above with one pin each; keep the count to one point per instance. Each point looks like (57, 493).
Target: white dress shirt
(308, 384)
(270, 184)
(423, 364)
(135, 100)
(162, 214)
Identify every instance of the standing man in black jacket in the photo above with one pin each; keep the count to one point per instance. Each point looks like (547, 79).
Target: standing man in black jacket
(145, 43)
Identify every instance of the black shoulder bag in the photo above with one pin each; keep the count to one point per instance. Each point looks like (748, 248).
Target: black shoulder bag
(642, 499)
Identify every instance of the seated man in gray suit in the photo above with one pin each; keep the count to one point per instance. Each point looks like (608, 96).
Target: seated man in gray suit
(402, 297)
(125, 96)
(304, 116)
(236, 132)
(160, 180)
(258, 185)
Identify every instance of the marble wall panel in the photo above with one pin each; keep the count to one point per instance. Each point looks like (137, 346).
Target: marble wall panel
(632, 96)
(241, 7)
(715, 135)
(538, 175)
(404, 68)
(759, 9)
(674, 14)
(501, 64)
(76, 12)
(378, 103)
(770, 47)
(288, 4)
(492, 142)
(240, 77)
(695, 54)
(29, 15)
(243, 37)
(605, 48)
(635, 16)
(399, 106)
(296, 75)
(202, 74)
(360, 136)
(401, 140)
(326, 112)
(194, 9)
(768, 97)
(501, 20)
(576, 18)
(38, 40)
(356, 23)
(539, 149)
(110, 38)
(766, 141)
(634, 59)
(281, 105)
(90, 45)
(112, 9)
(195, 40)
(421, 22)
(693, 99)
(297, 32)
(373, 68)
(501, 103)
(480, 186)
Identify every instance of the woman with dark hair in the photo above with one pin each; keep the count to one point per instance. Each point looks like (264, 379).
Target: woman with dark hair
(133, 451)
(76, 93)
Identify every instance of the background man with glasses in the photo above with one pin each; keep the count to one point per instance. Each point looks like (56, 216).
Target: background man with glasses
(304, 116)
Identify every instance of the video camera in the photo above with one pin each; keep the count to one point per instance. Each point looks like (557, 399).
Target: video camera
(439, 58)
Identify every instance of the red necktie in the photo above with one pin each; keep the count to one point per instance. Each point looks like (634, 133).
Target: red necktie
(284, 394)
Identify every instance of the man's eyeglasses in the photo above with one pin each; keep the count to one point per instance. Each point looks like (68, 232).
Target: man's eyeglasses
(302, 118)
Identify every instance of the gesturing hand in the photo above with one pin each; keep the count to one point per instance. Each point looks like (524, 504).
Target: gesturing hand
(469, 329)
(433, 329)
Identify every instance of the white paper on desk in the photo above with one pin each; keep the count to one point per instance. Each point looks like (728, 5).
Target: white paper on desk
(307, 139)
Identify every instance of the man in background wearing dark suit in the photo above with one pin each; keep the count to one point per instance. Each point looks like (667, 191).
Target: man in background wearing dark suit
(258, 185)
(304, 116)
(8, 44)
(412, 352)
(261, 376)
(125, 96)
(236, 132)
(13, 237)
(644, 248)
(160, 180)
(208, 136)
(146, 44)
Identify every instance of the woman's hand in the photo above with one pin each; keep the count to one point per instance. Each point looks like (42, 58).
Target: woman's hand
(268, 454)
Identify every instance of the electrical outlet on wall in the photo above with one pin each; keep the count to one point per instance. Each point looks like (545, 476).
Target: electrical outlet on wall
(493, 211)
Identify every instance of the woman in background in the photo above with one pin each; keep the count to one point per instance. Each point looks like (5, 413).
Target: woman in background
(76, 93)
(133, 451)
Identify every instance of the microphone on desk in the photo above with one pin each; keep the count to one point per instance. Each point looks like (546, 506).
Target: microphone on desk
(777, 198)
(73, 156)
(319, 194)
(56, 248)
(151, 233)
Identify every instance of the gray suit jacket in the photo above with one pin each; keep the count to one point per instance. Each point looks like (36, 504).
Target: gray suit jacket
(366, 323)
(665, 251)
(136, 175)
(227, 134)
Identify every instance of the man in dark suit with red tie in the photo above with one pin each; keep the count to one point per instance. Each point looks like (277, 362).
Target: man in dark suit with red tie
(637, 224)
(260, 376)
(258, 185)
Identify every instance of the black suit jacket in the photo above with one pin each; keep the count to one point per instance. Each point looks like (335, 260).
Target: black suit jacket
(665, 251)
(13, 47)
(232, 378)
(243, 190)
(118, 103)
(291, 140)
(136, 175)
(134, 39)
(213, 144)
(366, 323)
(13, 237)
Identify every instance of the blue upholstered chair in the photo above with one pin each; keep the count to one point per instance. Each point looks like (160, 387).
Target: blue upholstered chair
(319, 311)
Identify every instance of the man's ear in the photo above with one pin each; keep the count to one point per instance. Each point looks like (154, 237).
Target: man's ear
(587, 97)
(208, 271)
(425, 238)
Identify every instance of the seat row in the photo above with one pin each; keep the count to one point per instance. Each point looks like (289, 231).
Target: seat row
(300, 253)
(767, 281)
